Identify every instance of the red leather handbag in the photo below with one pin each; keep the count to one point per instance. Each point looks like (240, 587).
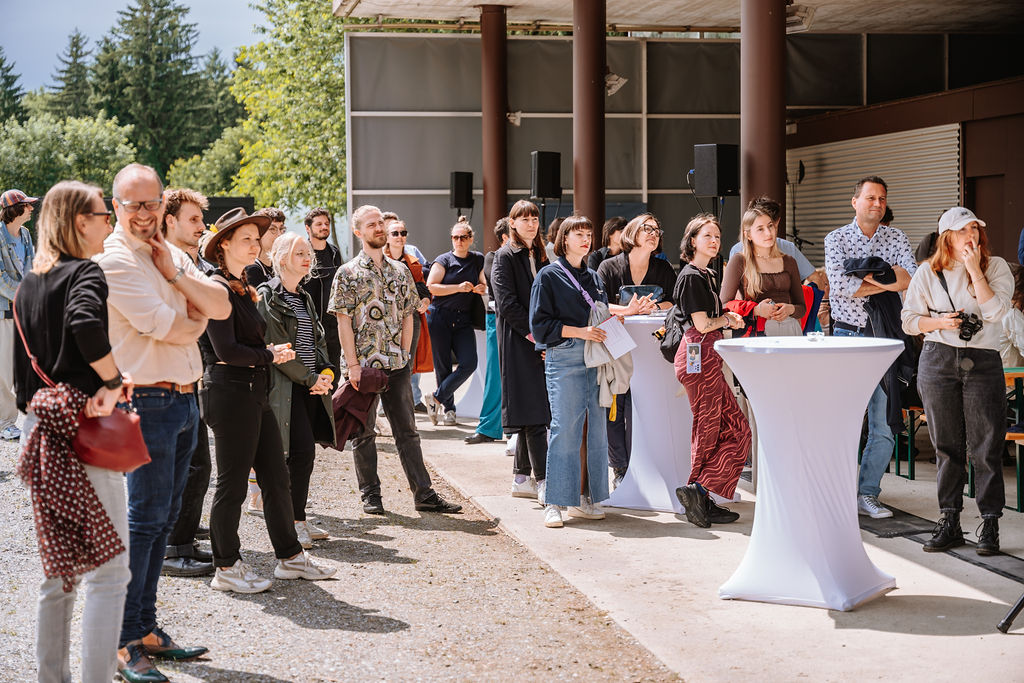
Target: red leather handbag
(113, 442)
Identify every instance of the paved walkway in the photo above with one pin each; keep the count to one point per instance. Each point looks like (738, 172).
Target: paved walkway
(658, 577)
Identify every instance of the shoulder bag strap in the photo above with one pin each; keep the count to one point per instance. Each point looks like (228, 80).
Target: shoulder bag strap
(35, 365)
(586, 296)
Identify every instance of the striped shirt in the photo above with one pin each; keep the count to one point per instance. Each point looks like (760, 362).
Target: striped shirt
(305, 347)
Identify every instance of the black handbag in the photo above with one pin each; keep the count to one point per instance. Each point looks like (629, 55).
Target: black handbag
(672, 336)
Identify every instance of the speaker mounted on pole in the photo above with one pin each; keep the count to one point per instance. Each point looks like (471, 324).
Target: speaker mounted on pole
(716, 170)
(460, 192)
(546, 175)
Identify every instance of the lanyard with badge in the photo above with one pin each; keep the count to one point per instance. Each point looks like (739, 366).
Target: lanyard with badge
(693, 349)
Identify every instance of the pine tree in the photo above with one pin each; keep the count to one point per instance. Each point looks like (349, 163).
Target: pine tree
(10, 91)
(217, 109)
(144, 75)
(71, 92)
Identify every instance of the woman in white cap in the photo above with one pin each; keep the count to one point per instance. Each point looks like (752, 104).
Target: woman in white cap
(958, 302)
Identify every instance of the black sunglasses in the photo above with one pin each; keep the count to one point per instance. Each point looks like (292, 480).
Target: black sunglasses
(397, 233)
(461, 237)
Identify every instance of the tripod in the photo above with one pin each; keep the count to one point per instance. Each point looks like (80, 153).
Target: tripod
(1007, 621)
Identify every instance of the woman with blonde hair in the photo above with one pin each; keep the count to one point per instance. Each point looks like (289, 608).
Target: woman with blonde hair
(61, 309)
(762, 282)
(300, 389)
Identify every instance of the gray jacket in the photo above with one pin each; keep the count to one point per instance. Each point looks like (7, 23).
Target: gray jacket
(12, 270)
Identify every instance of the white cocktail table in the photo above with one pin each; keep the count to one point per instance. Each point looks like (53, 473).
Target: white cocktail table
(809, 399)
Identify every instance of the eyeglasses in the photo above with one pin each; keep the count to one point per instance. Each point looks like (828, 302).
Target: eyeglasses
(399, 233)
(461, 237)
(105, 214)
(652, 230)
(134, 207)
(280, 230)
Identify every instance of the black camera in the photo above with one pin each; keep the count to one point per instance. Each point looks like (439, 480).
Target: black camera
(970, 325)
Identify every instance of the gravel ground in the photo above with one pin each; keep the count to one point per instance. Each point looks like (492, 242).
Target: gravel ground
(417, 597)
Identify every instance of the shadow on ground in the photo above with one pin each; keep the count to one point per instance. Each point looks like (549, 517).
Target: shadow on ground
(924, 615)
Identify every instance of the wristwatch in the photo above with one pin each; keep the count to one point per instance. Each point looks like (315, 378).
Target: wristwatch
(177, 276)
(114, 383)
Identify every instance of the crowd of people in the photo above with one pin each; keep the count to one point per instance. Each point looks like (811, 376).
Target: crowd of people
(267, 340)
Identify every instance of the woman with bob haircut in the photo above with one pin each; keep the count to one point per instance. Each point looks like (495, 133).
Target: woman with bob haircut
(958, 302)
(720, 438)
(62, 309)
(524, 397)
(763, 281)
(560, 304)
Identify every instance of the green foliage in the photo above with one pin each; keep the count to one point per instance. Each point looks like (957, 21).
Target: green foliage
(10, 91)
(71, 92)
(43, 150)
(292, 85)
(217, 109)
(213, 172)
(37, 102)
(144, 74)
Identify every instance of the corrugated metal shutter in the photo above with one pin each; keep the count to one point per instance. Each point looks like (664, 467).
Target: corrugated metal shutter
(921, 168)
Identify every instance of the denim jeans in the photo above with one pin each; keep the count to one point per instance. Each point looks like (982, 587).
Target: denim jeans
(964, 395)
(490, 408)
(397, 402)
(573, 396)
(105, 589)
(169, 426)
(181, 542)
(451, 332)
(881, 442)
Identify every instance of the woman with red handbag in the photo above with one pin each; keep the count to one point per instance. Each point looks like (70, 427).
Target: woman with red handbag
(61, 312)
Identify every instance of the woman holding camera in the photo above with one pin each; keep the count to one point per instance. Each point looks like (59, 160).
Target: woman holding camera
(958, 303)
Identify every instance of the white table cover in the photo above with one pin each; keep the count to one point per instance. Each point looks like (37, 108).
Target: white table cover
(472, 399)
(660, 457)
(805, 546)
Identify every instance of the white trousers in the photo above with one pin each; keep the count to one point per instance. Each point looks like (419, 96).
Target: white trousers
(8, 406)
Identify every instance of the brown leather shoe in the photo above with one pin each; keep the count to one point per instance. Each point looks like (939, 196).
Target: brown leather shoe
(135, 666)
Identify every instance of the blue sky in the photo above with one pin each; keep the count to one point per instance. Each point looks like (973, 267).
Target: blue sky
(40, 30)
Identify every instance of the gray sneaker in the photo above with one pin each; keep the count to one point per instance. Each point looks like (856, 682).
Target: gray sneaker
(869, 505)
(449, 418)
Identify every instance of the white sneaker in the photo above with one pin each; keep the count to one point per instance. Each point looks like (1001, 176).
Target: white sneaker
(10, 433)
(526, 489)
(239, 578)
(434, 409)
(301, 567)
(869, 505)
(587, 509)
(255, 506)
(449, 418)
(302, 531)
(552, 517)
(315, 532)
(542, 489)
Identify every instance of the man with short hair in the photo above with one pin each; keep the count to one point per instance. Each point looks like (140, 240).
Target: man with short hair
(262, 270)
(183, 226)
(374, 299)
(862, 238)
(159, 303)
(773, 210)
(16, 254)
(318, 226)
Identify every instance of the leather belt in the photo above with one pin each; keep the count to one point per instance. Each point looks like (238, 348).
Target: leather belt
(839, 324)
(170, 386)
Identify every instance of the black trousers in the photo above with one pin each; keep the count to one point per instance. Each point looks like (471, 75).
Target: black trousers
(183, 536)
(246, 436)
(531, 451)
(620, 432)
(397, 402)
(302, 446)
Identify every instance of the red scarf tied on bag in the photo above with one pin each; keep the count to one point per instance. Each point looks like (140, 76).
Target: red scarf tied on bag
(74, 530)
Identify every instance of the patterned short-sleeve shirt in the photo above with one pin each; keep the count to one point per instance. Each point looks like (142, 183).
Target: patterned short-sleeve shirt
(888, 243)
(377, 300)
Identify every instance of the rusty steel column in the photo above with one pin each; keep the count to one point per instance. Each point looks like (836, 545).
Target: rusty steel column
(763, 100)
(588, 65)
(493, 106)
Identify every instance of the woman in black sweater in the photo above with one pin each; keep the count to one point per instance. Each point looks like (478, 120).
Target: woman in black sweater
(235, 403)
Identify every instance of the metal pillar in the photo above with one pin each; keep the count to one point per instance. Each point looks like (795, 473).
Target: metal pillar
(763, 100)
(588, 67)
(493, 105)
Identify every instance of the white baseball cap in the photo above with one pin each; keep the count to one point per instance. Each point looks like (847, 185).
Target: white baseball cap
(956, 218)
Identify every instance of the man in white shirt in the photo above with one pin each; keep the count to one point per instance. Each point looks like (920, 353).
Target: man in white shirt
(159, 304)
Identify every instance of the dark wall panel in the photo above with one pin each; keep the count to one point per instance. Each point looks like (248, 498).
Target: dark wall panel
(670, 146)
(539, 75)
(977, 59)
(823, 70)
(693, 78)
(904, 65)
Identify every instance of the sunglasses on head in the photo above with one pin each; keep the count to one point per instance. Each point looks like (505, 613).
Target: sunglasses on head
(399, 233)
(461, 237)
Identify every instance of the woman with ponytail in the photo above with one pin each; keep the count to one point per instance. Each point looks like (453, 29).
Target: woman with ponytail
(235, 402)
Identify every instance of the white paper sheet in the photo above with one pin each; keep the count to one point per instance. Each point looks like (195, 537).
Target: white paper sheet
(618, 341)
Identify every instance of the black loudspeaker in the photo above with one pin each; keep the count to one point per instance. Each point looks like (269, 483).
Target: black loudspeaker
(716, 170)
(460, 192)
(545, 178)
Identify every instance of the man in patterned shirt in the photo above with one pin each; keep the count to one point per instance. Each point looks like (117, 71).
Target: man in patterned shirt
(374, 299)
(862, 238)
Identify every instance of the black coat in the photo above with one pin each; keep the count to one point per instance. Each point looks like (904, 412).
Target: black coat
(524, 395)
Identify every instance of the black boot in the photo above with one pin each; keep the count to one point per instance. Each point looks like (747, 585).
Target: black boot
(947, 534)
(988, 536)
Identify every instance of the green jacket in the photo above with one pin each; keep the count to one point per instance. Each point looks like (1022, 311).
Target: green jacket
(282, 327)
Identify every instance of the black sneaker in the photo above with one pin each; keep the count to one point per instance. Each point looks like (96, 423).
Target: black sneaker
(988, 536)
(373, 504)
(696, 504)
(203, 533)
(420, 408)
(720, 515)
(947, 534)
(185, 566)
(436, 503)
